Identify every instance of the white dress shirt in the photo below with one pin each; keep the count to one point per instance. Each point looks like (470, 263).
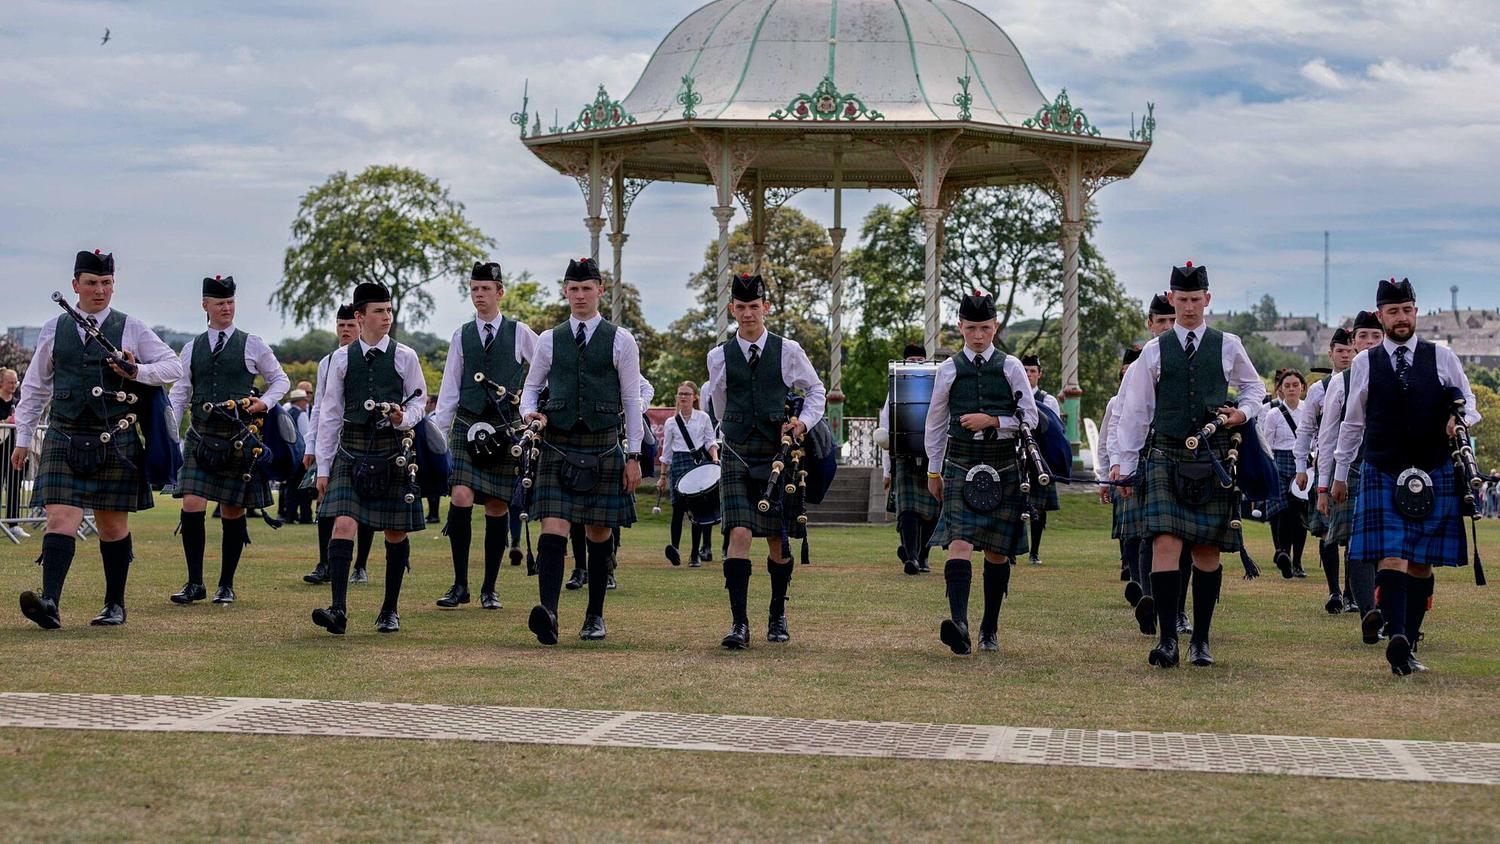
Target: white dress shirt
(319, 382)
(1105, 458)
(699, 427)
(157, 366)
(796, 372)
(259, 359)
(1331, 417)
(1309, 419)
(453, 369)
(304, 421)
(331, 396)
(627, 359)
(1138, 392)
(938, 417)
(1351, 434)
(1274, 429)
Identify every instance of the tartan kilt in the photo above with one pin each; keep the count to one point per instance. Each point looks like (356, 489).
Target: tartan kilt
(608, 505)
(1341, 518)
(1000, 531)
(1127, 522)
(739, 493)
(682, 463)
(1161, 512)
(909, 487)
(1379, 531)
(387, 512)
(1286, 472)
(115, 487)
(225, 486)
(494, 484)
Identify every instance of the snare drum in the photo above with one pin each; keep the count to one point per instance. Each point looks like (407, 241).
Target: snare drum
(699, 490)
(911, 394)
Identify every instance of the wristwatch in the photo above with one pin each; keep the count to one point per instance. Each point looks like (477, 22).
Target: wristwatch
(633, 455)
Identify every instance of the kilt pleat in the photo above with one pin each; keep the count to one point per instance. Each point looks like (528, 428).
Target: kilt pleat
(223, 486)
(739, 493)
(608, 505)
(1128, 523)
(496, 483)
(115, 487)
(1161, 512)
(1341, 516)
(1380, 531)
(1000, 531)
(385, 512)
(909, 486)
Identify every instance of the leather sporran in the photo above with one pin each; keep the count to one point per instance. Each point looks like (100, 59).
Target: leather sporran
(372, 477)
(1193, 482)
(1415, 497)
(213, 453)
(981, 490)
(580, 472)
(85, 455)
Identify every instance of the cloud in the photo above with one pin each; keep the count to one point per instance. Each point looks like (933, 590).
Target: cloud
(1319, 73)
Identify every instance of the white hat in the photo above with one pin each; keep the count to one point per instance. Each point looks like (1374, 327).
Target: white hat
(296, 395)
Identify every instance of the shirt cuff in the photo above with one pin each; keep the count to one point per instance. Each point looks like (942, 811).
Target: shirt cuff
(1128, 465)
(1341, 472)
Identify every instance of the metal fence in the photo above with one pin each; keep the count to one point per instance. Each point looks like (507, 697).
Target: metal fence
(18, 519)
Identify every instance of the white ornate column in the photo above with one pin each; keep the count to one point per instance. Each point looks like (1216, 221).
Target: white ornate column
(932, 220)
(1072, 230)
(617, 298)
(723, 213)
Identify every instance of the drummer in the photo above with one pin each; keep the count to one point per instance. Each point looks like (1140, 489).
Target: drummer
(905, 480)
(687, 442)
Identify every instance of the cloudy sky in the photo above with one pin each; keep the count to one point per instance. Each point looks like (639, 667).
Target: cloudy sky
(185, 143)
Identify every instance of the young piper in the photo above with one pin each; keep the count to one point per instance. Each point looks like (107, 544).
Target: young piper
(1181, 382)
(905, 478)
(75, 472)
(591, 370)
(1398, 414)
(752, 372)
(498, 349)
(1047, 500)
(687, 443)
(1309, 420)
(373, 397)
(970, 437)
(219, 365)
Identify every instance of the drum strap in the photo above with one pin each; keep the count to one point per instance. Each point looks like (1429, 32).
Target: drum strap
(688, 438)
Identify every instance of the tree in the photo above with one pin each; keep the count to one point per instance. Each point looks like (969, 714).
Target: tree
(14, 356)
(1487, 433)
(388, 224)
(311, 346)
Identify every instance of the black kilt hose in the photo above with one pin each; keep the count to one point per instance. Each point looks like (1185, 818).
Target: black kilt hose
(116, 486)
(909, 488)
(385, 512)
(223, 486)
(497, 482)
(1000, 531)
(739, 493)
(607, 504)
(1162, 513)
(1341, 516)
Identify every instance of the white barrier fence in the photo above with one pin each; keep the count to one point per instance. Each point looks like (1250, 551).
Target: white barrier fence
(18, 519)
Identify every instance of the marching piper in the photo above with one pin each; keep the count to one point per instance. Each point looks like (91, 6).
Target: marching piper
(216, 394)
(92, 456)
(482, 382)
(590, 368)
(905, 480)
(1309, 420)
(366, 469)
(1181, 382)
(1048, 499)
(687, 442)
(1399, 414)
(752, 373)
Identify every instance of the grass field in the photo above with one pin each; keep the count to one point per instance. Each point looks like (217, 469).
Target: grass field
(864, 647)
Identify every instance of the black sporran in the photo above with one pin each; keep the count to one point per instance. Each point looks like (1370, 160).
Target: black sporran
(213, 453)
(1193, 482)
(85, 454)
(580, 472)
(1415, 498)
(372, 477)
(981, 490)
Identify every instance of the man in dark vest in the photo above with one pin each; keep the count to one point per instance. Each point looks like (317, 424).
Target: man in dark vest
(1180, 382)
(979, 398)
(1399, 412)
(905, 480)
(371, 402)
(498, 349)
(220, 365)
(751, 373)
(591, 370)
(92, 456)
(1048, 497)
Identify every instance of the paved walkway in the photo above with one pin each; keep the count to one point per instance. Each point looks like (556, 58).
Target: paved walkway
(1413, 761)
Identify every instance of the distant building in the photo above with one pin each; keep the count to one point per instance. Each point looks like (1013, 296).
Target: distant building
(26, 336)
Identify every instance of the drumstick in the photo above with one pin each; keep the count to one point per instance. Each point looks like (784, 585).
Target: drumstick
(661, 486)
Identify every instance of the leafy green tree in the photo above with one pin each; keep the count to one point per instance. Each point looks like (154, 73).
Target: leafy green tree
(311, 346)
(1487, 433)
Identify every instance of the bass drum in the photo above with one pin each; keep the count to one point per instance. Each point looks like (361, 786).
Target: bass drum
(911, 395)
(699, 489)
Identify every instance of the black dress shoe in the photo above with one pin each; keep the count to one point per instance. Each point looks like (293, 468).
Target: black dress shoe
(1184, 626)
(224, 595)
(1350, 605)
(776, 630)
(317, 576)
(487, 600)
(1334, 605)
(113, 615)
(706, 555)
(579, 578)
(738, 638)
(432, 520)
(1164, 655)
(1414, 664)
(911, 567)
(190, 592)
(332, 620)
(453, 597)
(989, 640)
(1198, 654)
(1133, 593)
(1145, 615)
(1398, 654)
(516, 556)
(359, 575)
(697, 560)
(41, 611)
(1297, 570)
(543, 624)
(387, 622)
(673, 556)
(593, 628)
(1284, 564)
(1370, 625)
(922, 566)
(611, 585)
(955, 634)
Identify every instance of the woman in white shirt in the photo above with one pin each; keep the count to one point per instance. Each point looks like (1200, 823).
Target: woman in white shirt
(1285, 512)
(687, 442)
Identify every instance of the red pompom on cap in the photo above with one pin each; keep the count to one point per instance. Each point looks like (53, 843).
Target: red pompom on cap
(218, 277)
(1189, 265)
(98, 252)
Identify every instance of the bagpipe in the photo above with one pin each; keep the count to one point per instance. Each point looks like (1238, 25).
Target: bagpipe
(799, 473)
(1466, 472)
(1247, 468)
(94, 333)
(372, 475)
(1031, 467)
(1051, 437)
(258, 446)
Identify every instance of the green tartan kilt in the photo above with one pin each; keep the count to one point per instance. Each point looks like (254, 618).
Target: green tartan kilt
(497, 483)
(1000, 531)
(909, 488)
(115, 487)
(1341, 519)
(1162, 513)
(739, 493)
(1045, 497)
(607, 505)
(224, 486)
(1127, 523)
(386, 512)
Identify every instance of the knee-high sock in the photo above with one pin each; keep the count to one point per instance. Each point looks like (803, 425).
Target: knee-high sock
(578, 538)
(236, 537)
(1362, 582)
(496, 533)
(1206, 586)
(397, 561)
(460, 535)
(737, 583)
(699, 543)
(551, 551)
(194, 539)
(325, 533)
(1418, 602)
(57, 558)
(365, 537)
(1330, 557)
(996, 585)
(1185, 570)
(601, 562)
(1130, 549)
(781, 580)
(432, 506)
(927, 527)
(1143, 562)
(678, 512)
(340, 555)
(1038, 525)
(959, 575)
(1165, 585)
(1297, 532)
(117, 556)
(1390, 596)
(907, 530)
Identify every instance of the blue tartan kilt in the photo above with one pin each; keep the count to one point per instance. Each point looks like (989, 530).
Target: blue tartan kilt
(739, 493)
(223, 486)
(1162, 513)
(682, 463)
(497, 483)
(1001, 531)
(1341, 518)
(909, 489)
(1286, 472)
(607, 504)
(388, 511)
(115, 487)
(1380, 531)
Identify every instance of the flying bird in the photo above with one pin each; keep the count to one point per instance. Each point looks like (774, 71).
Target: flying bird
(105, 40)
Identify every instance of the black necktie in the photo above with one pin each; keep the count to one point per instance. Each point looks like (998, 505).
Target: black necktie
(1403, 366)
(1192, 348)
(754, 356)
(489, 336)
(979, 361)
(581, 338)
(370, 354)
(219, 344)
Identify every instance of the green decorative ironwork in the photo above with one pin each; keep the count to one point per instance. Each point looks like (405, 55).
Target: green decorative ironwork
(1148, 125)
(602, 113)
(689, 99)
(963, 99)
(826, 103)
(556, 126)
(520, 117)
(1061, 117)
